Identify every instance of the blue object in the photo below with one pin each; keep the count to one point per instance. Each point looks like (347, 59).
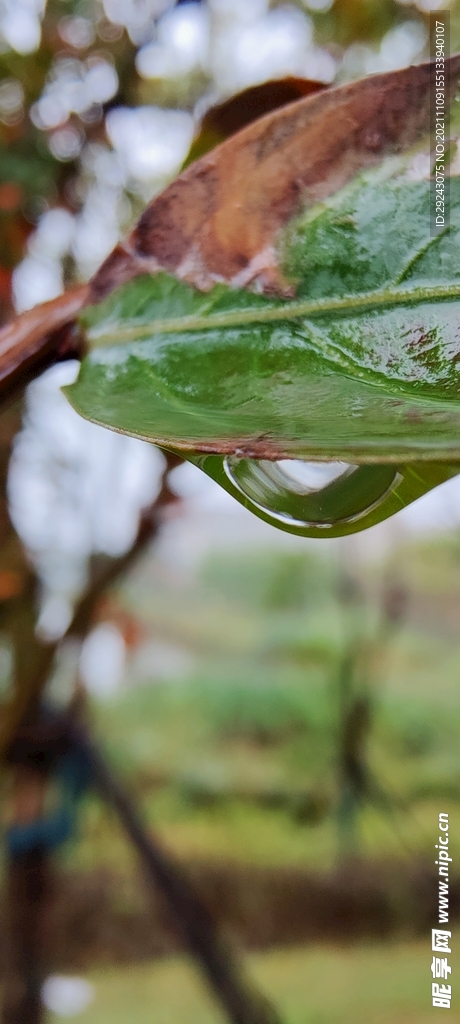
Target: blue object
(74, 775)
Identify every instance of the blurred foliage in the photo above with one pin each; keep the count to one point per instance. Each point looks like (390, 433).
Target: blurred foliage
(239, 755)
(271, 580)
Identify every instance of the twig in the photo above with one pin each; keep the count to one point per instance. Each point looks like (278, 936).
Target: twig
(243, 1004)
(38, 338)
(27, 890)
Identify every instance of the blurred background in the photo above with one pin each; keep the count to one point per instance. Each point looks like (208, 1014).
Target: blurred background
(285, 712)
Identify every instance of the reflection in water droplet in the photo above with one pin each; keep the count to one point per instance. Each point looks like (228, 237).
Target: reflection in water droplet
(312, 495)
(313, 476)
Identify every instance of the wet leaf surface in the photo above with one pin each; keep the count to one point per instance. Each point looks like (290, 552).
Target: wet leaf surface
(361, 364)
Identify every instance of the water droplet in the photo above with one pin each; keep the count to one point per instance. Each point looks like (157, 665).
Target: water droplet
(311, 495)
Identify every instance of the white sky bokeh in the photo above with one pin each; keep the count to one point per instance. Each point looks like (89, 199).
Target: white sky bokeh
(74, 490)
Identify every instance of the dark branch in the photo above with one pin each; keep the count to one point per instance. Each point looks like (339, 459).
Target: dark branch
(36, 339)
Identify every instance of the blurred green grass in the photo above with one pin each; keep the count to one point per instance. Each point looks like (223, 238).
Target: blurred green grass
(238, 757)
(361, 984)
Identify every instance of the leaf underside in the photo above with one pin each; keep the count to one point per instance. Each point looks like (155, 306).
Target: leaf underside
(362, 364)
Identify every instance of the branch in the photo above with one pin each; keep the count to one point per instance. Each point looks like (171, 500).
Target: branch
(40, 337)
(241, 1001)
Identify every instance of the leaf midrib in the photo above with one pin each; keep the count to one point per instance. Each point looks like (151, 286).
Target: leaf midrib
(303, 308)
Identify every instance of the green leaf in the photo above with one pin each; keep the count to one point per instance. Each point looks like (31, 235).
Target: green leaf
(361, 365)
